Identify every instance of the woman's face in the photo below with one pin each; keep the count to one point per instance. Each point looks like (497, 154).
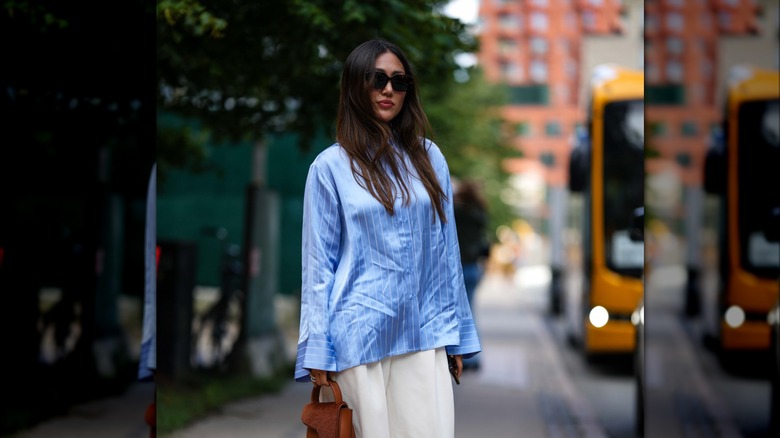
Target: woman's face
(388, 102)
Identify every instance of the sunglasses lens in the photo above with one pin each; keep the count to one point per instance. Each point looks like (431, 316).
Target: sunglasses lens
(380, 80)
(400, 83)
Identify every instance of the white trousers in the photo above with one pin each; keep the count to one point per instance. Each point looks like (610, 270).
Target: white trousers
(407, 396)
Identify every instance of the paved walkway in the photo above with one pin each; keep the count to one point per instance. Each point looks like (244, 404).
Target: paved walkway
(120, 417)
(521, 390)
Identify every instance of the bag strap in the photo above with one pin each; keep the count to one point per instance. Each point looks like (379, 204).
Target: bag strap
(315, 393)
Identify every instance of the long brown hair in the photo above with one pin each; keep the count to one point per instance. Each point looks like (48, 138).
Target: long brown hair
(367, 140)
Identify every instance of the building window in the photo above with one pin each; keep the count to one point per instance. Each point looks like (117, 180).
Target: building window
(657, 129)
(552, 128)
(539, 21)
(689, 128)
(538, 70)
(548, 159)
(538, 45)
(524, 129)
(651, 23)
(667, 94)
(674, 45)
(588, 20)
(674, 21)
(683, 159)
(724, 20)
(509, 22)
(674, 71)
(511, 71)
(529, 95)
(507, 47)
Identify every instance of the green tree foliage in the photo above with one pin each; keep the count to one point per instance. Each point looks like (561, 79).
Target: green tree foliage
(246, 69)
(469, 129)
(37, 15)
(79, 77)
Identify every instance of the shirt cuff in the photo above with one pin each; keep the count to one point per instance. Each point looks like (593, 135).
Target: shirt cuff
(316, 352)
(469, 340)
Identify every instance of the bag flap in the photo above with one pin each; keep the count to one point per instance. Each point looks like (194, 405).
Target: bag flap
(324, 417)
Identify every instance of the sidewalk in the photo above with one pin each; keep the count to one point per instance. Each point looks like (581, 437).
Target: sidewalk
(121, 417)
(521, 389)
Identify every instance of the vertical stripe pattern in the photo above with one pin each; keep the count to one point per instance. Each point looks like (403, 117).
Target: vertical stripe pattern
(376, 285)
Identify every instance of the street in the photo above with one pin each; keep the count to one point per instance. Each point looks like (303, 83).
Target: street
(689, 393)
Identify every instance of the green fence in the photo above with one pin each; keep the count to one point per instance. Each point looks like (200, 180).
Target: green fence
(190, 206)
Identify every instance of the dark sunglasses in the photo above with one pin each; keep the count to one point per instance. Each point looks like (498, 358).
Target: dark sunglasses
(399, 82)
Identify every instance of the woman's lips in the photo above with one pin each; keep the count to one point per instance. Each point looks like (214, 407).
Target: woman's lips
(386, 104)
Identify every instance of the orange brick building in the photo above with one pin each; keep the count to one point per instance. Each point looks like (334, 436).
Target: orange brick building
(539, 48)
(536, 47)
(682, 50)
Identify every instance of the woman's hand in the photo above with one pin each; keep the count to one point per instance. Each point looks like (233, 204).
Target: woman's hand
(459, 363)
(319, 377)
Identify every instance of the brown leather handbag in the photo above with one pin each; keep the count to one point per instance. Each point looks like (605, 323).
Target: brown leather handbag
(328, 419)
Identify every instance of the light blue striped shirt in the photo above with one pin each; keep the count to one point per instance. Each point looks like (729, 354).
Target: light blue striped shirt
(377, 285)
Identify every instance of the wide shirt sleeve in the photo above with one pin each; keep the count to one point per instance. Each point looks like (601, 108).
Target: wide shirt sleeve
(469, 340)
(320, 251)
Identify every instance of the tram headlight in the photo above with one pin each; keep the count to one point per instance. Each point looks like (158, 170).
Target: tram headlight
(773, 317)
(638, 316)
(598, 316)
(734, 316)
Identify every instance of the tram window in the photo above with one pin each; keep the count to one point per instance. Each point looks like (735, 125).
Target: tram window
(758, 151)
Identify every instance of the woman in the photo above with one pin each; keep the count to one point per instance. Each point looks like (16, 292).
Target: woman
(383, 300)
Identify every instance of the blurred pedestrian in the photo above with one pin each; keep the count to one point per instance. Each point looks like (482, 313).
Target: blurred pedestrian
(148, 361)
(383, 301)
(471, 219)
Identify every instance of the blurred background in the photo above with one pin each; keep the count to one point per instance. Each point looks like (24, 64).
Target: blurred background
(544, 104)
(77, 98)
(713, 256)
